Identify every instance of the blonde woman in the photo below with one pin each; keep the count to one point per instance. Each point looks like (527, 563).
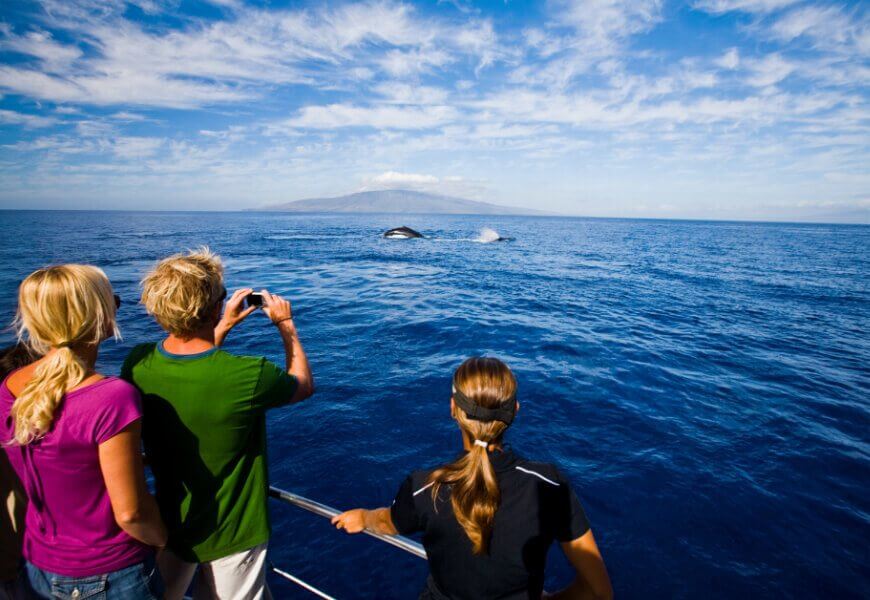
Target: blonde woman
(72, 436)
(205, 425)
(489, 517)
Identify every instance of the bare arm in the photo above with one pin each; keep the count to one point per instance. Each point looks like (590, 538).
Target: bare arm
(134, 508)
(592, 581)
(234, 313)
(358, 520)
(280, 312)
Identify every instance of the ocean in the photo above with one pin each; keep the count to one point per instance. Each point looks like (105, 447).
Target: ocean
(704, 385)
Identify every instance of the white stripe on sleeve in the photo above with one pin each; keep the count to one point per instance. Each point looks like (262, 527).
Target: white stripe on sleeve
(425, 487)
(538, 475)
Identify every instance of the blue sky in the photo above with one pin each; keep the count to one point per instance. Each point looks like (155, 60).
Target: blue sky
(729, 109)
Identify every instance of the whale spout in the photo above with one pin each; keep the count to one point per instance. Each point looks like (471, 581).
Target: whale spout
(488, 235)
(402, 233)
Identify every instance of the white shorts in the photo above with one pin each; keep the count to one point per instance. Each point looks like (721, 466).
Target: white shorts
(240, 576)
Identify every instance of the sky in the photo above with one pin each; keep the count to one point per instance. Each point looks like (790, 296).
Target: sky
(719, 109)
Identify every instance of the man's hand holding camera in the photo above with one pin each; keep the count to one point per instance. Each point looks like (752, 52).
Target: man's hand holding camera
(277, 308)
(234, 313)
(237, 310)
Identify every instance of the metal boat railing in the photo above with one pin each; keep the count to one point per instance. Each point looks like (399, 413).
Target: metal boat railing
(312, 506)
(408, 545)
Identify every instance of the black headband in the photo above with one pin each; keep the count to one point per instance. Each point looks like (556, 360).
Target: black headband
(505, 414)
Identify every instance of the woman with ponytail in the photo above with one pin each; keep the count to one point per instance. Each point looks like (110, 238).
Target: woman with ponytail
(489, 517)
(73, 438)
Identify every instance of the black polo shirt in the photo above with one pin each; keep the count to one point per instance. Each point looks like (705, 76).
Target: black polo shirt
(537, 508)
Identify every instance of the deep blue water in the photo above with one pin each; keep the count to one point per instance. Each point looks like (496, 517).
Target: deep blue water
(703, 385)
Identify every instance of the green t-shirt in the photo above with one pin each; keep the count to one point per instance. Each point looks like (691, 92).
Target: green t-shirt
(204, 431)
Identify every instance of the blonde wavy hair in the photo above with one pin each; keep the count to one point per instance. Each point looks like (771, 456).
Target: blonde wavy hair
(182, 289)
(62, 308)
(474, 492)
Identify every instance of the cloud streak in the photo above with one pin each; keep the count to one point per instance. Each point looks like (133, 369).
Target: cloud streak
(209, 63)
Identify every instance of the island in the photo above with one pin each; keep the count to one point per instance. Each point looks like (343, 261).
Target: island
(399, 201)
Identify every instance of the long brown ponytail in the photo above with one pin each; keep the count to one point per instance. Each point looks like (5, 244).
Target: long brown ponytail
(474, 493)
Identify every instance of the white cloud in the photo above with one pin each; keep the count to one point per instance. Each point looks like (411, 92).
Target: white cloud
(95, 128)
(601, 24)
(749, 6)
(11, 117)
(730, 60)
(227, 3)
(55, 144)
(583, 33)
(394, 178)
(769, 70)
(121, 87)
(127, 116)
(450, 185)
(136, 147)
(826, 27)
(334, 116)
(395, 92)
(399, 63)
(543, 42)
(479, 39)
(149, 7)
(36, 84)
(600, 113)
(694, 80)
(40, 44)
(232, 60)
(806, 20)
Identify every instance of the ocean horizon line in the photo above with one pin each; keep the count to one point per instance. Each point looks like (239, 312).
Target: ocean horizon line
(510, 216)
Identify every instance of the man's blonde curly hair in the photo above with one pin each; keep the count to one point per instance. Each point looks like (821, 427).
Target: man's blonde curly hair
(181, 291)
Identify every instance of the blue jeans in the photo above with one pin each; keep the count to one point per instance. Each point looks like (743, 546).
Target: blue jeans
(138, 582)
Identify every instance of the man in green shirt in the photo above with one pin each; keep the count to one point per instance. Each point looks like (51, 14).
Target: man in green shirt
(204, 426)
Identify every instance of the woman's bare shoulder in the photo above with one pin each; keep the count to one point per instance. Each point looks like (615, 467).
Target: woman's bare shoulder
(18, 379)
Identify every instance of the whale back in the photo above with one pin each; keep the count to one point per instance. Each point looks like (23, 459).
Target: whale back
(401, 233)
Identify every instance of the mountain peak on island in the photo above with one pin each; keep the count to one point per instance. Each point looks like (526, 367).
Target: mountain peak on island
(399, 201)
